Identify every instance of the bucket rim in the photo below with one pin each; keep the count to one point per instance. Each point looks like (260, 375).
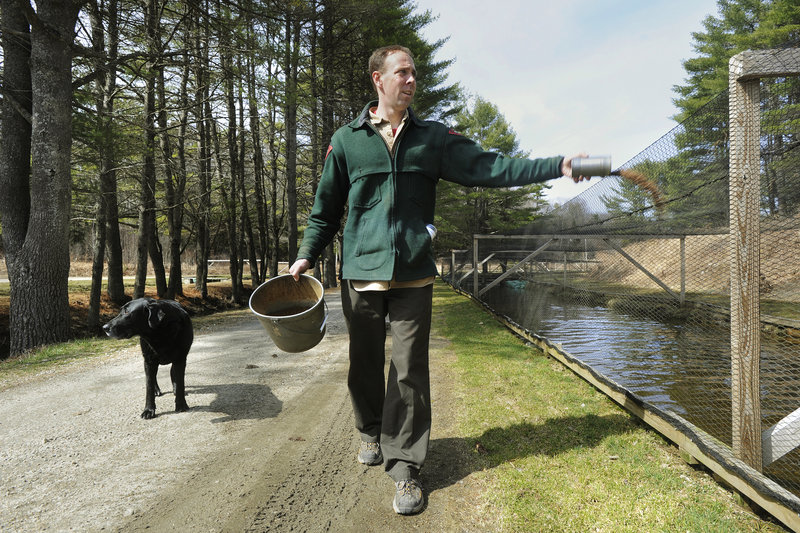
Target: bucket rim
(321, 299)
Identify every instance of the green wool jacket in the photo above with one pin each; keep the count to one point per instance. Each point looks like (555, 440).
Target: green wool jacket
(391, 197)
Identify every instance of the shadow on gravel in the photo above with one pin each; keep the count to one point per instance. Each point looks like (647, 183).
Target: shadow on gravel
(237, 401)
(452, 459)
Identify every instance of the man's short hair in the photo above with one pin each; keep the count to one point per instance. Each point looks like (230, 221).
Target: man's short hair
(378, 57)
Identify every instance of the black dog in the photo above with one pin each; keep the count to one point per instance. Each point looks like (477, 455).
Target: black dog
(165, 334)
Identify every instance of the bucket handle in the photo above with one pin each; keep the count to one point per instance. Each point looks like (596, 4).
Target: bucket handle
(325, 320)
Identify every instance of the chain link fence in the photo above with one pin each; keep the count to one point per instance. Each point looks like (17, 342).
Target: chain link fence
(678, 279)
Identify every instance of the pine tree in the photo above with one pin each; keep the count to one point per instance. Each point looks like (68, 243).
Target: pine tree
(464, 211)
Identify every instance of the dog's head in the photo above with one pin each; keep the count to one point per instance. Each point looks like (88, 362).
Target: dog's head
(135, 318)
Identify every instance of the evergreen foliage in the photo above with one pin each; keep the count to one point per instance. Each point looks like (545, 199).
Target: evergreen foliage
(464, 211)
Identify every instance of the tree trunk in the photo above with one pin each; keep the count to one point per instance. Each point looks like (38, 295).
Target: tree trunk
(229, 197)
(316, 140)
(258, 170)
(272, 206)
(174, 182)
(93, 317)
(115, 285)
(99, 244)
(328, 97)
(274, 217)
(108, 174)
(157, 255)
(201, 95)
(15, 150)
(147, 242)
(176, 223)
(291, 66)
(148, 178)
(35, 181)
(248, 238)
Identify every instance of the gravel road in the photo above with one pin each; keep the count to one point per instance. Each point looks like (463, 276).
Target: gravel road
(268, 444)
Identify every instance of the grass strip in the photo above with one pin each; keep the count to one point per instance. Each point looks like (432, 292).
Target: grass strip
(555, 454)
(54, 356)
(51, 357)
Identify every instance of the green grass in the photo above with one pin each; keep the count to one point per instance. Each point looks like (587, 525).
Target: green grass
(556, 454)
(54, 356)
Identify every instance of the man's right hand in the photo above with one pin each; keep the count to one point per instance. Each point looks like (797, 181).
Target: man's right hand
(566, 168)
(299, 266)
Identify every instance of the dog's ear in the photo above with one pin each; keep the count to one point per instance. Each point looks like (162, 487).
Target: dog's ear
(154, 315)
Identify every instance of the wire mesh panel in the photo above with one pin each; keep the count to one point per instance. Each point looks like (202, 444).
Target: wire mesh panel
(637, 275)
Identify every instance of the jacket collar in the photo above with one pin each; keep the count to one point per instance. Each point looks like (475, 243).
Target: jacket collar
(363, 118)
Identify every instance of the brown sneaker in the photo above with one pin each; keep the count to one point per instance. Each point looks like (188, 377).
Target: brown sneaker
(369, 453)
(408, 498)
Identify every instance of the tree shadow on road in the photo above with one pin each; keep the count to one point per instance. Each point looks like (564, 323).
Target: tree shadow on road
(452, 459)
(237, 401)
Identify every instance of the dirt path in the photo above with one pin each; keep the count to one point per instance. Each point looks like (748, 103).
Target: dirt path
(268, 445)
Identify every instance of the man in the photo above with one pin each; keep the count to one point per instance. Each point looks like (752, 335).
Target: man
(385, 166)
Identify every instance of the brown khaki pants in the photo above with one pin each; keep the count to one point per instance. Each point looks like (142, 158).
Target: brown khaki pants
(395, 411)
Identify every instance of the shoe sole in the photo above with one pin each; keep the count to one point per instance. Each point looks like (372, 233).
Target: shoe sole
(374, 463)
(415, 510)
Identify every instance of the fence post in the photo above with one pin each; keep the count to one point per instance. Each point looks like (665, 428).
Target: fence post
(475, 273)
(745, 159)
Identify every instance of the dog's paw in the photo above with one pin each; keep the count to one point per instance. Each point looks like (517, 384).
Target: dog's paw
(181, 407)
(147, 414)
(158, 391)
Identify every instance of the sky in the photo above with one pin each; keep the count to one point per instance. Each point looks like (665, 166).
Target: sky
(572, 76)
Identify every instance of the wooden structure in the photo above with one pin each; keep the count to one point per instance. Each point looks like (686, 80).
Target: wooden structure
(746, 69)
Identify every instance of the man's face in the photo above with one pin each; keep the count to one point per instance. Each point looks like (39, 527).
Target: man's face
(398, 81)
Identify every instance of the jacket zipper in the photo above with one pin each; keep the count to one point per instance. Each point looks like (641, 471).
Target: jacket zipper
(393, 160)
(393, 154)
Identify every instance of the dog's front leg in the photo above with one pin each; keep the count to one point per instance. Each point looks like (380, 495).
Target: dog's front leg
(150, 372)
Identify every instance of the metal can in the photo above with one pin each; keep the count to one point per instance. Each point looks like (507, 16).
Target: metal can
(591, 166)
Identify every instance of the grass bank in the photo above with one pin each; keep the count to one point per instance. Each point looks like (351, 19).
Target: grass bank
(555, 454)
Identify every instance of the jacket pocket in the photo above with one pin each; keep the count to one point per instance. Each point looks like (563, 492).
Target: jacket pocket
(365, 190)
(371, 238)
(415, 246)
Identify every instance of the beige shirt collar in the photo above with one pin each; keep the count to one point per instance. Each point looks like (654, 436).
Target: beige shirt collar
(384, 127)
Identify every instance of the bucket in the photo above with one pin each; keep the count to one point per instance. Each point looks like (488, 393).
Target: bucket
(294, 313)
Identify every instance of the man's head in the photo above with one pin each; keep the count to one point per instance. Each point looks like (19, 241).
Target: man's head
(394, 75)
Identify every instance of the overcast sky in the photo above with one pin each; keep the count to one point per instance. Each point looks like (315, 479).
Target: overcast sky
(573, 75)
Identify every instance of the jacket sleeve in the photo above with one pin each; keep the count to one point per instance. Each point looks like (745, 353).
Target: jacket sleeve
(326, 214)
(466, 163)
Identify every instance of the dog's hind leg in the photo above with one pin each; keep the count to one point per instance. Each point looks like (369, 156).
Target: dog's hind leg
(177, 373)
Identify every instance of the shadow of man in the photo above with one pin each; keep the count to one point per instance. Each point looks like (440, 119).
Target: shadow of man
(452, 459)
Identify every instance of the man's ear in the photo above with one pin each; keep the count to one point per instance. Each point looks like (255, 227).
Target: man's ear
(376, 80)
